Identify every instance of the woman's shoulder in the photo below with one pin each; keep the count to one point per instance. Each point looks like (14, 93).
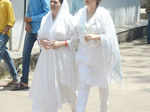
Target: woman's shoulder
(81, 11)
(47, 15)
(102, 10)
(44, 19)
(102, 13)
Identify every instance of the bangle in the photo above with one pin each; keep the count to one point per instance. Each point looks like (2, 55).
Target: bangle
(66, 43)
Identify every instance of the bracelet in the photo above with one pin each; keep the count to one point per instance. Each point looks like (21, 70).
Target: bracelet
(66, 43)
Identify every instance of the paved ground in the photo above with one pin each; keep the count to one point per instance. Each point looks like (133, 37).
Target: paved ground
(132, 96)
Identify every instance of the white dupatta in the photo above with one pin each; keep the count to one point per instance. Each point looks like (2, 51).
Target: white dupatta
(60, 29)
(53, 28)
(108, 46)
(54, 79)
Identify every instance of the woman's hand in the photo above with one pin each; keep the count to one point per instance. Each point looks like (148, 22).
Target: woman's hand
(89, 37)
(58, 44)
(52, 44)
(47, 44)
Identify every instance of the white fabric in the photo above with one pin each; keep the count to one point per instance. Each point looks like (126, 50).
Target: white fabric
(54, 81)
(98, 61)
(83, 98)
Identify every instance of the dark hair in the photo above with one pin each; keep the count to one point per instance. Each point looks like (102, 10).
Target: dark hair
(61, 1)
(98, 2)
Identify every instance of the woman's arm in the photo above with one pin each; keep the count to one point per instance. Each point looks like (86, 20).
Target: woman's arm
(47, 44)
(59, 44)
(92, 37)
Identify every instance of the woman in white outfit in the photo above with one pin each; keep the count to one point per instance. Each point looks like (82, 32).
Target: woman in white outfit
(54, 81)
(98, 55)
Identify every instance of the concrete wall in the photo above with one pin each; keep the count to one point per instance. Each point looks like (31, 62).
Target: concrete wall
(124, 12)
(18, 29)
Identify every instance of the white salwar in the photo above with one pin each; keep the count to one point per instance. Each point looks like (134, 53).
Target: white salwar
(54, 81)
(98, 61)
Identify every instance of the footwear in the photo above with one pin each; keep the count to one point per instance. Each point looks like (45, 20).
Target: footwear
(11, 83)
(20, 86)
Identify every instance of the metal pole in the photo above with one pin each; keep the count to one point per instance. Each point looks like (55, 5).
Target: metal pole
(10, 41)
(22, 31)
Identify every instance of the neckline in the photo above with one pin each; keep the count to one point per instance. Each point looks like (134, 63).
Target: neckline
(88, 20)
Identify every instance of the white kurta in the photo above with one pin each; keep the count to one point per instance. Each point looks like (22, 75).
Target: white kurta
(98, 61)
(54, 80)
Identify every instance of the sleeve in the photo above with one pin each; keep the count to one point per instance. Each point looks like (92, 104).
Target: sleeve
(109, 34)
(74, 40)
(45, 7)
(11, 15)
